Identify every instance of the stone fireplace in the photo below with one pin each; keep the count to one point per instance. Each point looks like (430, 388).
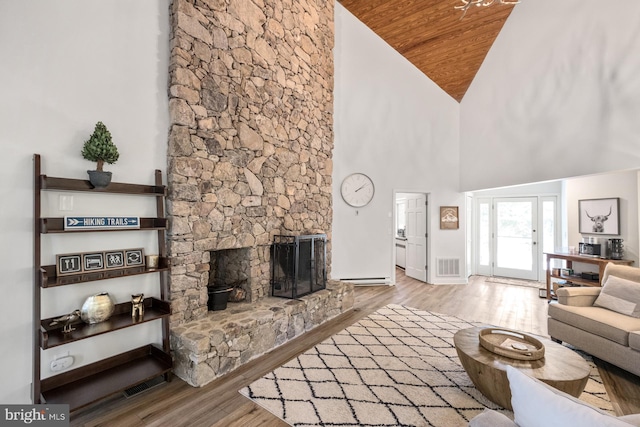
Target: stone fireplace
(249, 156)
(251, 102)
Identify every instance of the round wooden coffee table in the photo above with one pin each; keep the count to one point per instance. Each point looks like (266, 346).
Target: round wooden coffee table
(560, 367)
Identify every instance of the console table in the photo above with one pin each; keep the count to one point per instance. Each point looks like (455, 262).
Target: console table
(570, 258)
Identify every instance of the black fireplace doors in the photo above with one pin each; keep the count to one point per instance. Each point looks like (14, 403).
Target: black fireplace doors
(298, 265)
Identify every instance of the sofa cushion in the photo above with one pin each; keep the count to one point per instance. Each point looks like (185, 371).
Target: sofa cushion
(536, 404)
(583, 296)
(624, 271)
(620, 295)
(596, 320)
(634, 340)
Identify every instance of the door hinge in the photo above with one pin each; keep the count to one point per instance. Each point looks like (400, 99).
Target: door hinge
(426, 234)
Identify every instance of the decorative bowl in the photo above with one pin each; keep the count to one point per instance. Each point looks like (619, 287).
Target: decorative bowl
(97, 308)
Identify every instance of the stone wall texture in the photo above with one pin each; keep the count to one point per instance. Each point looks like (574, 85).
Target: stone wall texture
(215, 345)
(251, 139)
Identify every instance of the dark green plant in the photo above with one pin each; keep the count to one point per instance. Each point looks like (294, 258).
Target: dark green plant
(100, 148)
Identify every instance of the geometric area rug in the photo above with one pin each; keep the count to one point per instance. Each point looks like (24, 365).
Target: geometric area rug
(396, 367)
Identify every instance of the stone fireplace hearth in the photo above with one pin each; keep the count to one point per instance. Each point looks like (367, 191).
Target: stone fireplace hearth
(249, 157)
(224, 340)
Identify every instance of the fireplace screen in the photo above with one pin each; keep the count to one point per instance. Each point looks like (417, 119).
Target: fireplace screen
(298, 265)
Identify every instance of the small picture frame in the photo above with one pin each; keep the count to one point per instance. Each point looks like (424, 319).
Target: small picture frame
(599, 216)
(68, 264)
(134, 257)
(114, 259)
(93, 261)
(449, 219)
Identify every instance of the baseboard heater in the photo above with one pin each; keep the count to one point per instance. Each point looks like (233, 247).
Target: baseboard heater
(367, 280)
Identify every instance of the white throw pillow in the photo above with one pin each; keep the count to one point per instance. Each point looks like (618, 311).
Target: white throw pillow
(620, 295)
(536, 404)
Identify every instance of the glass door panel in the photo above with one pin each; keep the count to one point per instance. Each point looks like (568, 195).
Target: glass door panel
(515, 241)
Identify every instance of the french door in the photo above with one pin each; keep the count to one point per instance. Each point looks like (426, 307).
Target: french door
(508, 236)
(516, 237)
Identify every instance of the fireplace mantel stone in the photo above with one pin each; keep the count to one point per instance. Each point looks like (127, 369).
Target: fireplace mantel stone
(222, 341)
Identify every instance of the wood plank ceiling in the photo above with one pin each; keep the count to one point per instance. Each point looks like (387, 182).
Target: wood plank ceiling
(431, 35)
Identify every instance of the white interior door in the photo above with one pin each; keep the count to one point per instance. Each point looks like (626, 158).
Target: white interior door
(417, 236)
(516, 237)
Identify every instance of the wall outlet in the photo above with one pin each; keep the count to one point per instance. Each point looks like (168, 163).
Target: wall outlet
(61, 362)
(66, 202)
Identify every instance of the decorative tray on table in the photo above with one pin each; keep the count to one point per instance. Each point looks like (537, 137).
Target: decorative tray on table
(513, 344)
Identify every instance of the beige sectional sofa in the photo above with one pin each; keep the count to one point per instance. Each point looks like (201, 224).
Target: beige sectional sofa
(602, 321)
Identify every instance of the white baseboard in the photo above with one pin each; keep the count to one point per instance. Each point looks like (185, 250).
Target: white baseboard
(368, 281)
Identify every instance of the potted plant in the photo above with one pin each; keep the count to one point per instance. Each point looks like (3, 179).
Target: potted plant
(100, 148)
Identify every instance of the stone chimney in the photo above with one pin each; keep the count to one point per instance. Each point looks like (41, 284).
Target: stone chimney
(251, 107)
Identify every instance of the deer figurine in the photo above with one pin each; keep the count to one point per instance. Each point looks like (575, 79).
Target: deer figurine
(137, 306)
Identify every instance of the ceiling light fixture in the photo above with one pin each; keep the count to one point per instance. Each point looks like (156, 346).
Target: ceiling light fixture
(466, 4)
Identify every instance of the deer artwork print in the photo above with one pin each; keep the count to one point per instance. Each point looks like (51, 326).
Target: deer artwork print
(598, 221)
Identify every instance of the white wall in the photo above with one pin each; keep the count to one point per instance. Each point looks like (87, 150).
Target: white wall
(557, 96)
(66, 65)
(621, 184)
(397, 126)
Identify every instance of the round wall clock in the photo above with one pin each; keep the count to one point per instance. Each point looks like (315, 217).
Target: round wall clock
(357, 190)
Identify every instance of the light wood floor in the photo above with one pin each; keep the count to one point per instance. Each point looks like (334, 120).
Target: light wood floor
(220, 404)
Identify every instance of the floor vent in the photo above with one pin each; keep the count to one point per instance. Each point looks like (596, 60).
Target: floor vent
(448, 267)
(130, 392)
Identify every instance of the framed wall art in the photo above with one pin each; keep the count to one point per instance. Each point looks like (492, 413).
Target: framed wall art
(68, 264)
(114, 259)
(134, 257)
(93, 261)
(449, 219)
(599, 216)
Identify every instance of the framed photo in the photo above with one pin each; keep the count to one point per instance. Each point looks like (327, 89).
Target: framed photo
(134, 257)
(93, 261)
(599, 216)
(114, 259)
(449, 219)
(68, 264)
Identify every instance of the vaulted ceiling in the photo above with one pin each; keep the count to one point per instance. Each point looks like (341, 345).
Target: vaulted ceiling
(431, 35)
